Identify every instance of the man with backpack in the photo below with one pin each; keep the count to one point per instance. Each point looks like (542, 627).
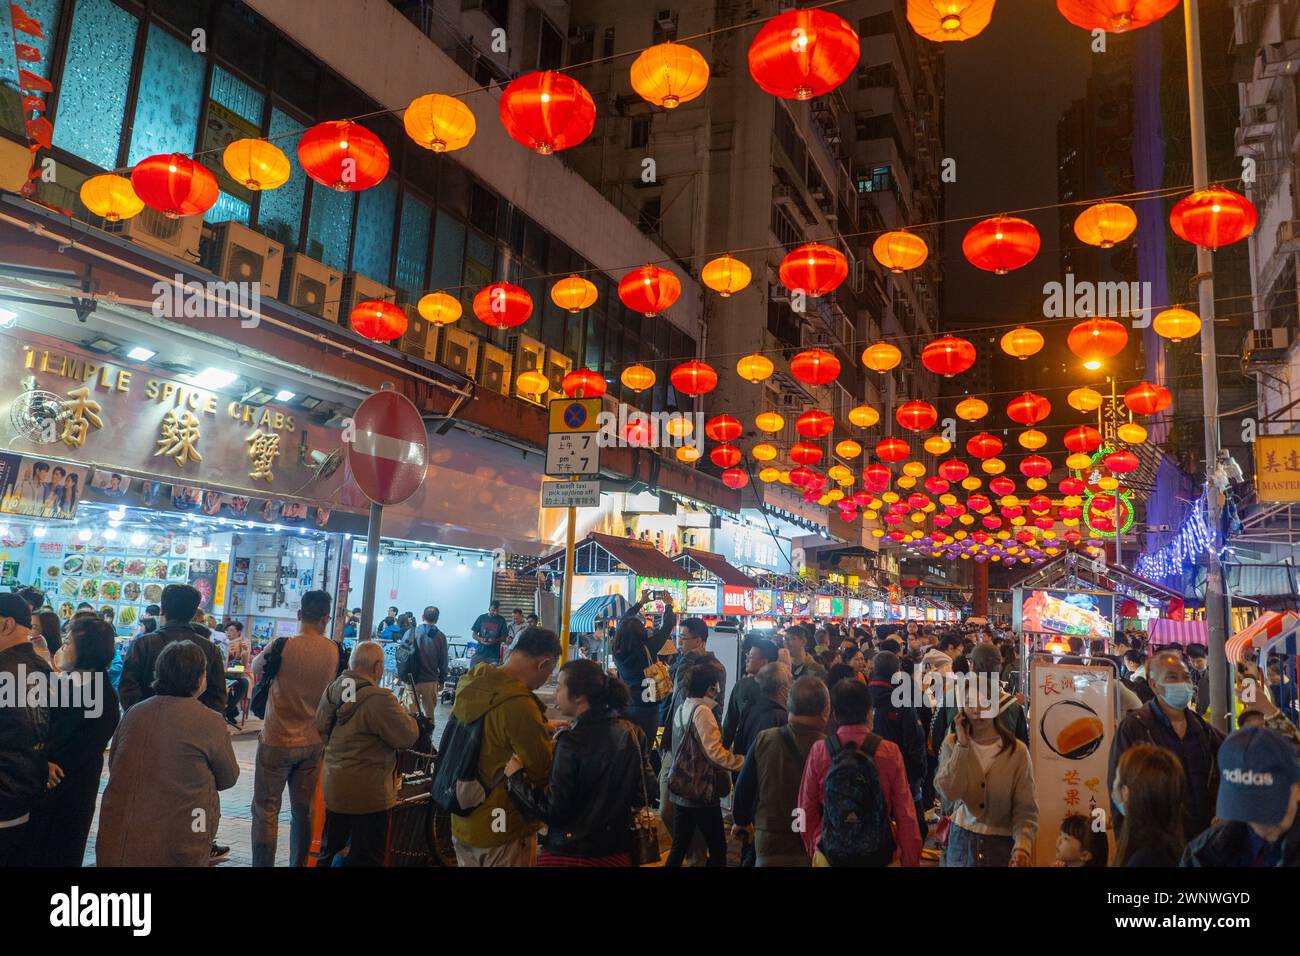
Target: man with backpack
(856, 803)
(422, 662)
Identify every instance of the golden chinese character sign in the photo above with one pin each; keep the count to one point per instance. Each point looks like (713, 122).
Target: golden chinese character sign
(1277, 468)
(1073, 723)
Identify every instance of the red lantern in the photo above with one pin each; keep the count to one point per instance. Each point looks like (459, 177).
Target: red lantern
(1144, 398)
(1072, 486)
(1044, 522)
(862, 498)
(941, 521)
(174, 185)
(694, 378)
(378, 321)
(892, 450)
(948, 356)
(815, 367)
(583, 383)
(814, 423)
(547, 111)
(725, 456)
(805, 453)
(814, 268)
(916, 501)
(1028, 409)
(991, 522)
(723, 428)
(897, 535)
(1083, 439)
(1035, 466)
(1122, 462)
(803, 53)
(1002, 486)
(801, 477)
(1073, 536)
(983, 445)
(1040, 504)
(1070, 512)
(936, 485)
(877, 477)
(638, 432)
(1096, 340)
(954, 470)
(1213, 217)
(503, 305)
(649, 290)
(916, 415)
(978, 503)
(343, 155)
(1024, 536)
(1114, 16)
(1001, 244)
(735, 478)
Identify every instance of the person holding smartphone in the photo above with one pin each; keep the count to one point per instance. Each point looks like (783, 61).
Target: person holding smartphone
(636, 648)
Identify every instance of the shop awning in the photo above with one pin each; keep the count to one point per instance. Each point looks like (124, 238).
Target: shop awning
(1265, 631)
(714, 565)
(605, 607)
(607, 554)
(1165, 631)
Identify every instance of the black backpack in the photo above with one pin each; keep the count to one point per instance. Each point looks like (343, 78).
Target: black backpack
(855, 822)
(407, 657)
(456, 785)
(271, 667)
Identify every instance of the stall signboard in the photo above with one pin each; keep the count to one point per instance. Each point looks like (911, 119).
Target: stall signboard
(737, 600)
(878, 611)
(837, 607)
(856, 608)
(674, 587)
(931, 614)
(587, 586)
(824, 606)
(895, 612)
(40, 488)
(764, 601)
(1277, 468)
(1069, 613)
(1073, 725)
(701, 598)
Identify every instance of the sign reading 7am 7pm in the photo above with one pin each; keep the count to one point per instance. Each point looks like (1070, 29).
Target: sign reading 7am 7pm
(1277, 468)
(572, 449)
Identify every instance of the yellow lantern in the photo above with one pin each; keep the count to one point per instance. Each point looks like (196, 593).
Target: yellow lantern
(1018, 520)
(531, 383)
(769, 422)
(769, 475)
(915, 469)
(754, 368)
(905, 482)
(764, 452)
(1078, 461)
(688, 454)
(725, 275)
(1105, 223)
(669, 74)
(848, 448)
(947, 498)
(846, 481)
(881, 357)
(835, 495)
(439, 122)
(937, 445)
(679, 426)
(864, 416)
(1004, 534)
(256, 164)
(900, 250)
(1008, 501)
(1069, 522)
(917, 517)
(972, 409)
(1072, 501)
(439, 308)
(871, 514)
(111, 197)
(1084, 399)
(838, 472)
(949, 20)
(1176, 324)
(1108, 483)
(993, 466)
(1032, 439)
(1131, 433)
(967, 518)
(1022, 342)
(573, 294)
(889, 497)
(877, 532)
(875, 504)
(637, 377)
(970, 482)
(1035, 484)
(784, 477)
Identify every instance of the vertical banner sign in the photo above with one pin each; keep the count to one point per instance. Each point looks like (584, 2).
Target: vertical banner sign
(32, 87)
(1073, 725)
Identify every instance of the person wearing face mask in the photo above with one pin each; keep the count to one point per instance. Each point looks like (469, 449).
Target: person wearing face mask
(1146, 795)
(1167, 721)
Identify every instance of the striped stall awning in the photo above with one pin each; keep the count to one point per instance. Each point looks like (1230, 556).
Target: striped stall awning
(1261, 634)
(1165, 631)
(606, 607)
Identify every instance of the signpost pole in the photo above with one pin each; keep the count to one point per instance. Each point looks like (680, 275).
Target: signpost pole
(566, 600)
(366, 630)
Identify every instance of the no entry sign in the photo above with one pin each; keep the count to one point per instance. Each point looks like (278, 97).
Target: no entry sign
(389, 451)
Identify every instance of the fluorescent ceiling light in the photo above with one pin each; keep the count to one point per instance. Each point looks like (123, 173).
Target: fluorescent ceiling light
(284, 395)
(213, 378)
(141, 354)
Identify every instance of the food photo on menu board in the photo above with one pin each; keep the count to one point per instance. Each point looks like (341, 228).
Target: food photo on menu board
(1072, 613)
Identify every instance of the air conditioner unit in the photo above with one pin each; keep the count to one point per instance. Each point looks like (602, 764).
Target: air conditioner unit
(494, 369)
(526, 351)
(458, 351)
(557, 366)
(432, 340)
(359, 288)
(239, 254)
(1265, 347)
(1288, 235)
(311, 286)
(415, 341)
(172, 237)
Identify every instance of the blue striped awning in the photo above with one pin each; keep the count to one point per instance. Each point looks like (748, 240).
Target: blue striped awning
(607, 607)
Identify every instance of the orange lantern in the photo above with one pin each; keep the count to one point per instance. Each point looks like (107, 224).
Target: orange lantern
(947, 20)
(848, 448)
(763, 452)
(814, 423)
(723, 428)
(378, 321)
(755, 368)
(863, 416)
(111, 197)
(805, 453)
(574, 293)
(881, 357)
(892, 450)
(546, 111)
(1105, 223)
(725, 456)
(1132, 433)
(669, 74)
(800, 54)
(1028, 409)
(815, 367)
(343, 156)
(1032, 439)
(1096, 340)
(1176, 324)
(694, 378)
(439, 308)
(900, 250)
(948, 356)
(983, 445)
(725, 275)
(1022, 342)
(1144, 398)
(531, 382)
(735, 478)
(1114, 16)
(1082, 439)
(637, 377)
(583, 383)
(256, 164)
(813, 268)
(175, 185)
(439, 122)
(649, 289)
(937, 445)
(916, 415)
(1213, 217)
(503, 305)
(1001, 244)
(769, 422)
(1084, 399)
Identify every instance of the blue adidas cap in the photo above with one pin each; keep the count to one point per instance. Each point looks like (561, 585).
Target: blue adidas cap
(1257, 769)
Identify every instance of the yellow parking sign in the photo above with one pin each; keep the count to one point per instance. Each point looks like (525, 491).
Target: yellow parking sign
(570, 415)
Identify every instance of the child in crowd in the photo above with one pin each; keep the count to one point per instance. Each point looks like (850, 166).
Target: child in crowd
(1078, 844)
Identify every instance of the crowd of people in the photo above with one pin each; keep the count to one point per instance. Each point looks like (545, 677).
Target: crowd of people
(814, 755)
